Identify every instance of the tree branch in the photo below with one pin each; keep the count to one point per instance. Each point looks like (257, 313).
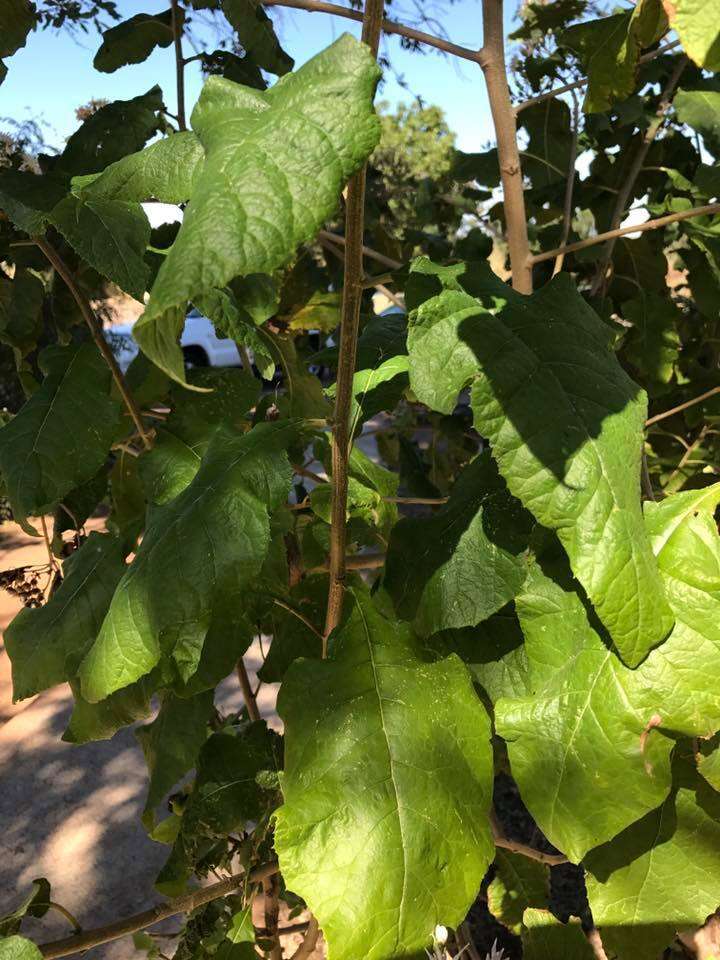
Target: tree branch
(271, 909)
(179, 64)
(367, 251)
(309, 943)
(91, 320)
(500, 840)
(388, 26)
(503, 115)
(621, 231)
(581, 83)
(184, 904)
(621, 201)
(352, 298)
(569, 186)
(682, 406)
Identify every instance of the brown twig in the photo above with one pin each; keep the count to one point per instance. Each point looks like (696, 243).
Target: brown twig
(356, 561)
(388, 26)
(184, 904)
(503, 115)
(349, 324)
(682, 406)
(337, 238)
(91, 320)
(621, 201)
(271, 908)
(569, 185)
(552, 859)
(687, 456)
(621, 231)
(581, 83)
(247, 692)
(179, 64)
(64, 912)
(596, 945)
(310, 941)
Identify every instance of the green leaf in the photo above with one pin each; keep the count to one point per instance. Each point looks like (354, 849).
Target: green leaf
(18, 948)
(609, 50)
(376, 389)
(580, 728)
(388, 762)
(40, 642)
(110, 235)
(545, 938)
(197, 550)
(709, 766)
(696, 23)
(62, 435)
(321, 312)
(28, 199)
(659, 875)
(237, 317)
(653, 344)
(565, 424)
(112, 132)
(36, 904)
(101, 721)
(518, 883)
(171, 744)
(318, 127)
(133, 40)
(21, 301)
(183, 440)
(291, 637)
(467, 561)
(699, 110)
(546, 158)
(165, 171)
(17, 19)
(257, 35)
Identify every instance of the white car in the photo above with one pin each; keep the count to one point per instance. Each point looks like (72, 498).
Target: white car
(200, 344)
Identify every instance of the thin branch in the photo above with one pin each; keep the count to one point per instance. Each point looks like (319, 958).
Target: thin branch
(682, 406)
(686, 457)
(247, 692)
(300, 616)
(179, 63)
(184, 904)
(708, 209)
(552, 859)
(596, 945)
(91, 320)
(349, 325)
(355, 561)
(645, 478)
(327, 235)
(621, 201)
(309, 943)
(581, 83)
(48, 546)
(271, 908)
(70, 917)
(367, 281)
(569, 185)
(503, 115)
(388, 26)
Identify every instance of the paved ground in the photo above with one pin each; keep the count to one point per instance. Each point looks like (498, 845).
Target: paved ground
(71, 813)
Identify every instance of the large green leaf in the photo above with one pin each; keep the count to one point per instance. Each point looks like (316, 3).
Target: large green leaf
(565, 423)
(609, 50)
(579, 730)
(466, 562)
(133, 40)
(518, 883)
(164, 171)
(387, 784)
(275, 164)
(111, 235)
(101, 721)
(171, 744)
(257, 35)
(661, 874)
(696, 23)
(39, 642)
(196, 552)
(21, 303)
(62, 435)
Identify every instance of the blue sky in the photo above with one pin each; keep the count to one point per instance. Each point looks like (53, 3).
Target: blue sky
(53, 74)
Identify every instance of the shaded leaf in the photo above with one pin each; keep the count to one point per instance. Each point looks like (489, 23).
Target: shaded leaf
(257, 35)
(101, 721)
(133, 40)
(653, 344)
(21, 301)
(36, 904)
(28, 199)
(518, 883)
(545, 938)
(368, 733)
(62, 435)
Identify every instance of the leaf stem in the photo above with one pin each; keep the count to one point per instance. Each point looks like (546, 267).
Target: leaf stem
(349, 324)
(552, 859)
(183, 904)
(247, 692)
(708, 209)
(569, 185)
(388, 26)
(63, 911)
(503, 115)
(298, 615)
(91, 320)
(329, 237)
(682, 406)
(179, 64)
